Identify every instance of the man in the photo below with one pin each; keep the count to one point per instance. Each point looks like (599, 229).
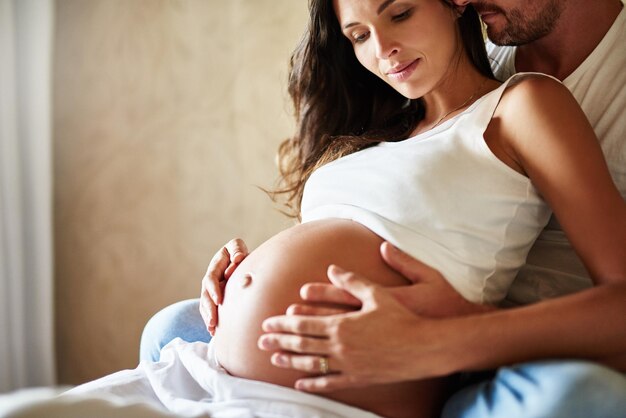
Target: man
(581, 43)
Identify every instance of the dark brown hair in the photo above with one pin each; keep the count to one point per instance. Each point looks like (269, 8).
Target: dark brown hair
(340, 106)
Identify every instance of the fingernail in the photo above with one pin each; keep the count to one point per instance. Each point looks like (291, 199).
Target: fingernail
(392, 247)
(266, 325)
(262, 342)
(336, 269)
(279, 360)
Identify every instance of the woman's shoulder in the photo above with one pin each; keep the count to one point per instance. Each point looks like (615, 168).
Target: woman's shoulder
(534, 110)
(530, 98)
(533, 89)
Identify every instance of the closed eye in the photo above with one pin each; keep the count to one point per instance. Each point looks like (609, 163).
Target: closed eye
(402, 16)
(358, 38)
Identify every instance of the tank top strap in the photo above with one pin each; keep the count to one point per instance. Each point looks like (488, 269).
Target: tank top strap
(492, 99)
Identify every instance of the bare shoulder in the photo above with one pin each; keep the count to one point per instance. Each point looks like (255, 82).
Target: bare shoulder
(532, 92)
(536, 107)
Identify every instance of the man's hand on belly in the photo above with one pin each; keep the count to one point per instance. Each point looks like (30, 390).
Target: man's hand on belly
(429, 293)
(382, 342)
(363, 334)
(376, 344)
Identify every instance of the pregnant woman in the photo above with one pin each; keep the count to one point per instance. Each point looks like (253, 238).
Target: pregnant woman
(457, 176)
(403, 135)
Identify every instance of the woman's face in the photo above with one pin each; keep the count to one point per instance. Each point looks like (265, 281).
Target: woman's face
(410, 44)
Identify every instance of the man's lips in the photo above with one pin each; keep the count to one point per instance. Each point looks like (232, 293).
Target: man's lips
(402, 71)
(488, 16)
(488, 12)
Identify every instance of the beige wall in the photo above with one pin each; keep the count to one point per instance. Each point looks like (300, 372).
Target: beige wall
(166, 116)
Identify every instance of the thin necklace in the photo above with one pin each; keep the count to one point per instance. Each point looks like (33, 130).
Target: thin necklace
(461, 106)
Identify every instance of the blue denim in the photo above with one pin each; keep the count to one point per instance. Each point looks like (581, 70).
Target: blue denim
(546, 389)
(181, 319)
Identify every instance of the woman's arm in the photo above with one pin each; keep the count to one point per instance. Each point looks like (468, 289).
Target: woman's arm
(547, 136)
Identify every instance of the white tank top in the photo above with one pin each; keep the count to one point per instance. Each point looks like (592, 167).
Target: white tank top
(441, 196)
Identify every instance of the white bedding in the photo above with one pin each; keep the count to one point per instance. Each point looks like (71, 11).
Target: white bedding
(188, 382)
(46, 403)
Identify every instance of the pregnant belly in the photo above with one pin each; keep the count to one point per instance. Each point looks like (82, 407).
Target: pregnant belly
(279, 267)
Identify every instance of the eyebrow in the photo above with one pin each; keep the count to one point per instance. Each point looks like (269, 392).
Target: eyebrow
(380, 9)
(383, 6)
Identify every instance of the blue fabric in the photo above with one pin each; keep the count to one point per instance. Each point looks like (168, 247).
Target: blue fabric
(548, 389)
(181, 319)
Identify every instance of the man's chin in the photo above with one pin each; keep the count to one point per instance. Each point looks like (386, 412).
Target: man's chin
(501, 38)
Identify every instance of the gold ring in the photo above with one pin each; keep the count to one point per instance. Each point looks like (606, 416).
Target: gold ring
(323, 365)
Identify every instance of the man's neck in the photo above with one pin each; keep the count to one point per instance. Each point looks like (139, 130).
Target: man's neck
(580, 29)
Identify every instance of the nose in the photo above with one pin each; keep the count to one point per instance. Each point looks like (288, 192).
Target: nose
(386, 47)
(461, 5)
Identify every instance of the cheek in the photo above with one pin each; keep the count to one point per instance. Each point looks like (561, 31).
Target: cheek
(367, 60)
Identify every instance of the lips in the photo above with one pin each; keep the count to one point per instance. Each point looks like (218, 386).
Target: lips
(488, 16)
(488, 12)
(402, 71)
(400, 67)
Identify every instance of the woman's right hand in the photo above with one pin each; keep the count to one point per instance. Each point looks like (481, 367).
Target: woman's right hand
(221, 267)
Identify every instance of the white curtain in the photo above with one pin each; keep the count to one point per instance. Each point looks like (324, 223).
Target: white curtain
(26, 291)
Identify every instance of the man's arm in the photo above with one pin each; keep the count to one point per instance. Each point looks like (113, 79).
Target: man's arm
(385, 342)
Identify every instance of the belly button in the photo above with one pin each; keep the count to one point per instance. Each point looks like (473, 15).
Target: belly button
(246, 280)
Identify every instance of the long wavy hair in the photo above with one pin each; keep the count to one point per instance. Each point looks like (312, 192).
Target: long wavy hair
(340, 106)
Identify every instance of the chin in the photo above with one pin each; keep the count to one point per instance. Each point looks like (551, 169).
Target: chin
(410, 93)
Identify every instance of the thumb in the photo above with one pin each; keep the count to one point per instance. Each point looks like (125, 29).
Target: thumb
(359, 287)
(412, 269)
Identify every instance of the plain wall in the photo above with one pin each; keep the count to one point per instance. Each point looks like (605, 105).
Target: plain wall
(167, 115)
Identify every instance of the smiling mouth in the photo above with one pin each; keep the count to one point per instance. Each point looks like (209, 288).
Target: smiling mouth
(402, 72)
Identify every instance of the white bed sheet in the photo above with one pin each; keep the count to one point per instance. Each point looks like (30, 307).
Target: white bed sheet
(46, 403)
(189, 382)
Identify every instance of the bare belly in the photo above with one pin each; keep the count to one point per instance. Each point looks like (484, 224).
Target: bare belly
(279, 267)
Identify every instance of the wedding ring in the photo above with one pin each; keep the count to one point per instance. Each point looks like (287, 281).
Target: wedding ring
(323, 365)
